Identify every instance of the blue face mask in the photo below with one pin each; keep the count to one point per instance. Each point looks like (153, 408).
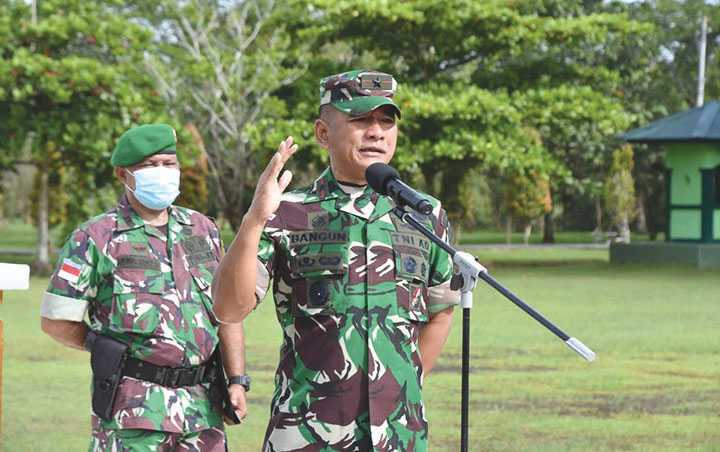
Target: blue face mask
(156, 187)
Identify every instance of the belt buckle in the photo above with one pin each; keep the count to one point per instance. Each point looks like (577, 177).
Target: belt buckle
(187, 377)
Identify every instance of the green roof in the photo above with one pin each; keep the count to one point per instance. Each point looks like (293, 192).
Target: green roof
(700, 124)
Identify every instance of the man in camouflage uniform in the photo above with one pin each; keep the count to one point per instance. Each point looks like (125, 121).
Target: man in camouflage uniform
(142, 271)
(363, 300)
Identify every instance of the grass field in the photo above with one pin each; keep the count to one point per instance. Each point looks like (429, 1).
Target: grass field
(655, 386)
(17, 235)
(483, 236)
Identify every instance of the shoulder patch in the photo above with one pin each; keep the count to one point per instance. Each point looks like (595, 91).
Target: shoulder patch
(69, 271)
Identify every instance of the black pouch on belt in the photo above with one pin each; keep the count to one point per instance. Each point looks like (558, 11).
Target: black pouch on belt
(107, 357)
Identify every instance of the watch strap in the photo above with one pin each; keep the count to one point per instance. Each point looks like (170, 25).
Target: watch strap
(242, 380)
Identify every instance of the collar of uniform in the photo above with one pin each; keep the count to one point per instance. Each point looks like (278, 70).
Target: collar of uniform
(181, 215)
(127, 218)
(383, 206)
(325, 187)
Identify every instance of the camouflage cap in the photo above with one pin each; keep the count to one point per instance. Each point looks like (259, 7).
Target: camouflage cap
(359, 91)
(143, 141)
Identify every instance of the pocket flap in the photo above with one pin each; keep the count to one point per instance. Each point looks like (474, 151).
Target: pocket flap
(412, 301)
(127, 281)
(319, 265)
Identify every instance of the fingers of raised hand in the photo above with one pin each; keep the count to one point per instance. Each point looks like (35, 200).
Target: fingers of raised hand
(285, 179)
(285, 150)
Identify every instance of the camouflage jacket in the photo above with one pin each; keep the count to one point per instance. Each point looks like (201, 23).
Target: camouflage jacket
(352, 286)
(153, 293)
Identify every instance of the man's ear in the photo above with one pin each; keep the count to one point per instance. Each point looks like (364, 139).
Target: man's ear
(321, 133)
(120, 174)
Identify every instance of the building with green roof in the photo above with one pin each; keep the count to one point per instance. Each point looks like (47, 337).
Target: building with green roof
(691, 140)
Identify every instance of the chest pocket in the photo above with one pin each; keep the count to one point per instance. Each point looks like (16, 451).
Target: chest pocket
(412, 270)
(317, 275)
(138, 285)
(202, 263)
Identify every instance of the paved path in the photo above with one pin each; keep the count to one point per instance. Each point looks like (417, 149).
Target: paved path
(18, 251)
(537, 246)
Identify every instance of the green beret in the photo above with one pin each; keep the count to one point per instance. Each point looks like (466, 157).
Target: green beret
(143, 141)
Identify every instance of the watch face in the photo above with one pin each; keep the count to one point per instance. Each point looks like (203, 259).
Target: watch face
(242, 380)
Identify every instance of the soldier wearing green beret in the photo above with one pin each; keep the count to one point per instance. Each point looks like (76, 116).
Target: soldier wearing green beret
(140, 274)
(363, 300)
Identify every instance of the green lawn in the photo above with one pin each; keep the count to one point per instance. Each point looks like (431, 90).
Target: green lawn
(654, 387)
(17, 235)
(484, 236)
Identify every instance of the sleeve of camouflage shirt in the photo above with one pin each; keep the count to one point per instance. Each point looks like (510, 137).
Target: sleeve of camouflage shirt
(266, 253)
(74, 282)
(441, 268)
(219, 251)
(216, 238)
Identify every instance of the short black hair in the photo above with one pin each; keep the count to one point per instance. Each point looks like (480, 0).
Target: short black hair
(324, 111)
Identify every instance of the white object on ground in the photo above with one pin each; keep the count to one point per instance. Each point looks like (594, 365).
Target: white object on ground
(14, 276)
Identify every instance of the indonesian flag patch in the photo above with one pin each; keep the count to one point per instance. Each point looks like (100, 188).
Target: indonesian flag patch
(69, 271)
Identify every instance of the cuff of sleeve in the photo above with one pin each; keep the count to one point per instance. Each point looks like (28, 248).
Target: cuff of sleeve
(441, 297)
(263, 282)
(434, 309)
(57, 307)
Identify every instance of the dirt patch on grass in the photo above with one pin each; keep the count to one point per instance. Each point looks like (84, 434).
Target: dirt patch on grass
(677, 373)
(458, 356)
(42, 359)
(439, 369)
(490, 354)
(606, 405)
(457, 369)
(262, 367)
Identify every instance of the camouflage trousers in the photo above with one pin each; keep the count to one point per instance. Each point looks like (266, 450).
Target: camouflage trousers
(140, 440)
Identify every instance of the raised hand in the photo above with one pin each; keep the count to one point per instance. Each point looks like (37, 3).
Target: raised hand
(270, 187)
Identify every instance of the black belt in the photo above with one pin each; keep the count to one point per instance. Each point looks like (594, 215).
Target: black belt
(171, 377)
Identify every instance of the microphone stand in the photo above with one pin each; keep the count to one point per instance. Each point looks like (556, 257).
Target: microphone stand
(467, 273)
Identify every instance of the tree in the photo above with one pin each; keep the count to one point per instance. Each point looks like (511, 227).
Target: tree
(218, 64)
(526, 198)
(667, 83)
(73, 81)
(578, 126)
(470, 70)
(619, 192)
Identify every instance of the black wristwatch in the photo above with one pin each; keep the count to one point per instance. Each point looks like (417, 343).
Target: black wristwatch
(242, 380)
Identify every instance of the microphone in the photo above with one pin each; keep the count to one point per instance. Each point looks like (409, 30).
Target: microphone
(385, 180)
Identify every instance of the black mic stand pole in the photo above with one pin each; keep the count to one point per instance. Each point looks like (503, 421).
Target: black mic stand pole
(468, 270)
